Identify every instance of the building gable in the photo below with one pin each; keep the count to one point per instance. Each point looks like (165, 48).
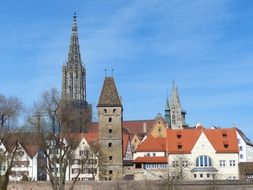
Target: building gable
(159, 128)
(202, 146)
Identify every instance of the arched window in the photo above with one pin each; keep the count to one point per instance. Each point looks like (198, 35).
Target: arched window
(203, 161)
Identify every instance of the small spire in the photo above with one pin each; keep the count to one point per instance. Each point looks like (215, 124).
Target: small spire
(174, 95)
(105, 72)
(112, 72)
(74, 55)
(167, 104)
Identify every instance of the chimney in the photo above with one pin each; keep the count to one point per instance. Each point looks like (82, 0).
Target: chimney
(144, 127)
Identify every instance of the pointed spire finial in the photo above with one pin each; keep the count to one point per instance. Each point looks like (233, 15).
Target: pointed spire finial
(74, 56)
(112, 72)
(74, 25)
(105, 72)
(75, 15)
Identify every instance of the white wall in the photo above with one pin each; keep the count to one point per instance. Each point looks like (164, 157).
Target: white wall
(204, 147)
(145, 154)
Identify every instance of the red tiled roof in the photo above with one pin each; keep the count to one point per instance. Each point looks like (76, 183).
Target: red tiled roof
(157, 159)
(134, 127)
(31, 150)
(186, 138)
(223, 140)
(183, 141)
(152, 144)
(92, 138)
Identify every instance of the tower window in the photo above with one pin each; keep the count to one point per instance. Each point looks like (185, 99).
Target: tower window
(105, 110)
(109, 145)
(110, 172)
(110, 131)
(179, 147)
(110, 157)
(114, 110)
(110, 119)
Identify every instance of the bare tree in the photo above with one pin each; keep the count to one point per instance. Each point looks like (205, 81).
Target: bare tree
(9, 148)
(58, 143)
(179, 164)
(10, 108)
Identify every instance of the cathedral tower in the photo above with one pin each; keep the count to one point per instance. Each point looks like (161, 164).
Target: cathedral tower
(174, 114)
(110, 116)
(73, 72)
(74, 84)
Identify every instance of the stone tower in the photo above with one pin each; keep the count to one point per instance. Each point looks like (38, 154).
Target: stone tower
(110, 116)
(74, 83)
(73, 72)
(174, 114)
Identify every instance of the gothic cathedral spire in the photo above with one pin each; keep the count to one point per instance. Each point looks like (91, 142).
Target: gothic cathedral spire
(174, 114)
(73, 72)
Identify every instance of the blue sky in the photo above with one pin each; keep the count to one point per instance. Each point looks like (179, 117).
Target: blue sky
(204, 46)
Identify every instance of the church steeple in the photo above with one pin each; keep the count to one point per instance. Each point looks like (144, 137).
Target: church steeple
(177, 115)
(73, 72)
(74, 55)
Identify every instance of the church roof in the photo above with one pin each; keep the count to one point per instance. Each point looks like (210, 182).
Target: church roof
(109, 95)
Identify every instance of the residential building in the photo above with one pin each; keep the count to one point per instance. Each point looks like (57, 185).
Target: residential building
(196, 153)
(245, 147)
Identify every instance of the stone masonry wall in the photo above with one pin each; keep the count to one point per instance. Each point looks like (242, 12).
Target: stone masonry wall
(139, 185)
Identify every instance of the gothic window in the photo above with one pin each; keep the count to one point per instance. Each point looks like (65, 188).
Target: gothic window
(109, 145)
(110, 119)
(110, 131)
(173, 119)
(203, 161)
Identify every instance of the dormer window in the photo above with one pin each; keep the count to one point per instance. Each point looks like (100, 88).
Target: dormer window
(224, 134)
(225, 143)
(179, 145)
